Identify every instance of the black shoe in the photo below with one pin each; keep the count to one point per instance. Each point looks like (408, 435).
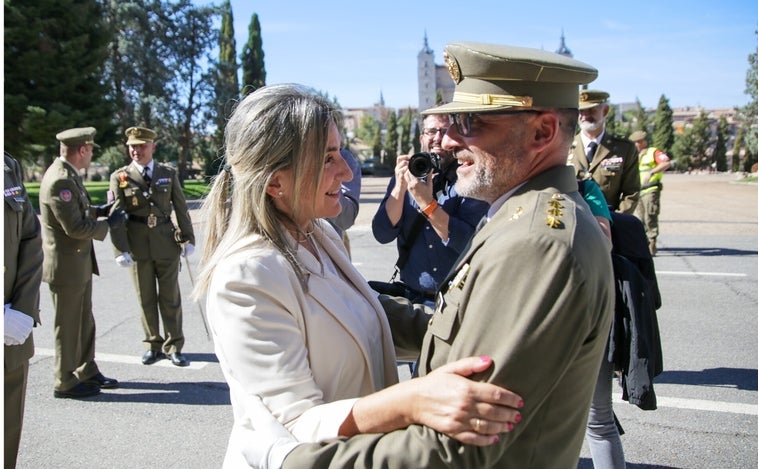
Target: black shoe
(102, 381)
(178, 359)
(152, 356)
(78, 391)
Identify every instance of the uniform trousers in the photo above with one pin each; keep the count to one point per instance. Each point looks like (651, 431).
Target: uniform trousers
(74, 335)
(648, 209)
(602, 433)
(157, 285)
(15, 399)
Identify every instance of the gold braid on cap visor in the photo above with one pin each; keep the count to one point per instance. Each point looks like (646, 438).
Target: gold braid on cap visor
(492, 99)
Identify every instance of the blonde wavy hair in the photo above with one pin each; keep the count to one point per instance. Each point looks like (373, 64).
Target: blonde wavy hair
(274, 128)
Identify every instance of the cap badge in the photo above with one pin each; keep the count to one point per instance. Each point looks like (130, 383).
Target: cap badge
(133, 132)
(452, 67)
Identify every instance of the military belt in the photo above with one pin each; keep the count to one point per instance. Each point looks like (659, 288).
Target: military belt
(151, 221)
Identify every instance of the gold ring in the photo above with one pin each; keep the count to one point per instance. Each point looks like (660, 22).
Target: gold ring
(477, 425)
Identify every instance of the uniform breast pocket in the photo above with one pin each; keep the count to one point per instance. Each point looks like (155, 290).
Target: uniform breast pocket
(444, 322)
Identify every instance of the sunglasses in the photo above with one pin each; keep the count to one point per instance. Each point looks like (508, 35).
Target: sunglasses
(463, 120)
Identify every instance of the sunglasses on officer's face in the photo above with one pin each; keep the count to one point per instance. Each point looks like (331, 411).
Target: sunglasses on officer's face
(463, 120)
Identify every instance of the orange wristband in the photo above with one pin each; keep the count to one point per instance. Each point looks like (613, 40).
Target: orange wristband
(427, 211)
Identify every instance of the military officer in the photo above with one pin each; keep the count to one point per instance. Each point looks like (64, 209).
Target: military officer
(611, 161)
(69, 224)
(150, 244)
(22, 272)
(525, 292)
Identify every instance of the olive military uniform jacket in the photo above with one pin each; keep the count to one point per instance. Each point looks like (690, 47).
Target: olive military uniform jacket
(68, 226)
(534, 292)
(615, 168)
(22, 258)
(140, 201)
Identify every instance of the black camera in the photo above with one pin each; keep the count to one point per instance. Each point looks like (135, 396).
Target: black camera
(421, 164)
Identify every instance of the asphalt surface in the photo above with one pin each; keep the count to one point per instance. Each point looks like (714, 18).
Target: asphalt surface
(168, 417)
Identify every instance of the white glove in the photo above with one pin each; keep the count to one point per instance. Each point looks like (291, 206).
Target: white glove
(18, 326)
(187, 249)
(125, 260)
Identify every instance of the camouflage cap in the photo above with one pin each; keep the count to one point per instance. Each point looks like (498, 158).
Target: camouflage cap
(638, 135)
(591, 98)
(139, 135)
(78, 137)
(491, 77)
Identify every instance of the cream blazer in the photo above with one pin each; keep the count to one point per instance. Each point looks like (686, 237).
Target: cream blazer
(290, 356)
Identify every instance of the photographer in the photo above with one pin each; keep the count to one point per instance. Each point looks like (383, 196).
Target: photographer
(430, 220)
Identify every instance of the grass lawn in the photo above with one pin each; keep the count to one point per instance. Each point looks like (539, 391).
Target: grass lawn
(97, 191)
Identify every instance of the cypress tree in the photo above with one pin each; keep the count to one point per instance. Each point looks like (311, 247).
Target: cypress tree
(663, 126)
(253, 68)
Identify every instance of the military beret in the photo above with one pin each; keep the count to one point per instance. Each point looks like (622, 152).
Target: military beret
(591, 98)
(139, 135)
(78, 137)
(638, 135)
(491, 77)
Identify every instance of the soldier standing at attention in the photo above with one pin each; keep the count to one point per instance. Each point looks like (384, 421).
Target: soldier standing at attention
(22, 274)
(653, 162)
(150, 244)
(69, 224)
(611, 161)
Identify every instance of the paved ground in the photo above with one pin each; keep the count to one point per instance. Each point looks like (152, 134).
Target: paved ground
(167, 417)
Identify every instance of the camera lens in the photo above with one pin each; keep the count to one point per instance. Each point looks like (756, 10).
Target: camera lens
(422, 163)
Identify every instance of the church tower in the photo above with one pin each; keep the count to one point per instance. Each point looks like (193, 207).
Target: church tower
(427, 81)
(563, 50)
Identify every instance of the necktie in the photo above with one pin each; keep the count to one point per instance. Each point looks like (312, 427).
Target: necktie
(146, 174)
(591, 151)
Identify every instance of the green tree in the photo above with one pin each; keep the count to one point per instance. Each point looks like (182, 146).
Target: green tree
(640, 120)
(404, 123)
(612, 123)
(367, 128)
(663, 126)
(691, 148)
(737, 150)
(416, 136)
(719, 151)
(391, 140)
(376, 142)
(54, 58)
(253, 67)
(192, 90)
(227, 85)
(140, 65)
(749, 113)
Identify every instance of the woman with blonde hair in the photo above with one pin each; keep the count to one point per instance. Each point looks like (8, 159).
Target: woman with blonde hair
(300, 336)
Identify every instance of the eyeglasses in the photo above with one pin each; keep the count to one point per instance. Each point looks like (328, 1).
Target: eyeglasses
(432, 132)
(463, 120)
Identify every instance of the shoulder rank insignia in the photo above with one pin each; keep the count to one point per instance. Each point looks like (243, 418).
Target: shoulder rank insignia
(554, 211)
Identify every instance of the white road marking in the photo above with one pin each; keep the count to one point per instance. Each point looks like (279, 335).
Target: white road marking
(700, 404)
(713, 274)
(126, 359)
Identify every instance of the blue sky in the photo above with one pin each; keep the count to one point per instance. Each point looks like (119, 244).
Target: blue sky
(695, 52)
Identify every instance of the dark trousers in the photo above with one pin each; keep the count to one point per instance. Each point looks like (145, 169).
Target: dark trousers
(15, 399)
(157, 285)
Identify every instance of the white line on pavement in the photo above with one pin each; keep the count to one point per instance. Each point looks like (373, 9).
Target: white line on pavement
(714, 274)
(127, 359)
(700, 404)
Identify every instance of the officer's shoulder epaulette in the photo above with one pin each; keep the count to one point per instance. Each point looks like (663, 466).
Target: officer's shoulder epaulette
(555, 214)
